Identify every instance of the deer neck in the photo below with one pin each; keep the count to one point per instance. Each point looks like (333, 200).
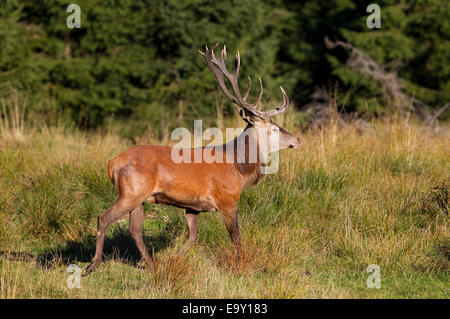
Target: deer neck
(247, 155)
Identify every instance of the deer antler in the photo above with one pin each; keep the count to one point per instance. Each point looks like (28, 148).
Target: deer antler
(219, 69)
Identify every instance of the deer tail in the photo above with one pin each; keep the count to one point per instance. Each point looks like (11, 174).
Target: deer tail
(112, 171)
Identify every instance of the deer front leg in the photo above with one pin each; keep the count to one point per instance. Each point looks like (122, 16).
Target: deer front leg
(192, 221)
(231, 222)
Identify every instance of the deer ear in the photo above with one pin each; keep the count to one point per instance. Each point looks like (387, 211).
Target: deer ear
(245, 117)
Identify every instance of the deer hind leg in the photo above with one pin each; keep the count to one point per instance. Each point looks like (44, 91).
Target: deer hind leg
(119, 209)
(136, 219)
(131, 194)
(192, 221)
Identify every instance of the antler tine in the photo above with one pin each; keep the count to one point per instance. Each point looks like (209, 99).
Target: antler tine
(283, 107)
(260, 90)
(224, 53)
(248, 89)
(237, 65)
(260, 94)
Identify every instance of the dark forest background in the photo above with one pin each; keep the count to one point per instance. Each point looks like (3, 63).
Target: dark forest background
(138, 60)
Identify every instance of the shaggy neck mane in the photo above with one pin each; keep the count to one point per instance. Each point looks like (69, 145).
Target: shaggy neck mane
(249, 166)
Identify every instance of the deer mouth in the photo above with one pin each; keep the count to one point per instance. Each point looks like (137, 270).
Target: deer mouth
(295, 145)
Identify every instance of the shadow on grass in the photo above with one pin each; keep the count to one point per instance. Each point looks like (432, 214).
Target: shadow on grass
(119, 245)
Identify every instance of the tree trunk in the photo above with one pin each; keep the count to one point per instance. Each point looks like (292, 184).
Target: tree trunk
(67, 47)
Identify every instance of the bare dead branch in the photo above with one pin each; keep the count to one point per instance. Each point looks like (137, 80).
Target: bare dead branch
(367, 66)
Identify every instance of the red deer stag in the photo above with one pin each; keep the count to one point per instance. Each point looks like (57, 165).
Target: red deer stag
(149, 174)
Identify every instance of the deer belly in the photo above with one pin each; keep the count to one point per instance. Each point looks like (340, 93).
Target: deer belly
(201, 204)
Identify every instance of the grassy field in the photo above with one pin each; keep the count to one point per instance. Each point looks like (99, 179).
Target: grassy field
(347, 199)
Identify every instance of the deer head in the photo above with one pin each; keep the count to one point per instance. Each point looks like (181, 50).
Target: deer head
(277, 137)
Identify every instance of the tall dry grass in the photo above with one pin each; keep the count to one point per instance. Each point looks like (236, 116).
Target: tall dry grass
(12, 121)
